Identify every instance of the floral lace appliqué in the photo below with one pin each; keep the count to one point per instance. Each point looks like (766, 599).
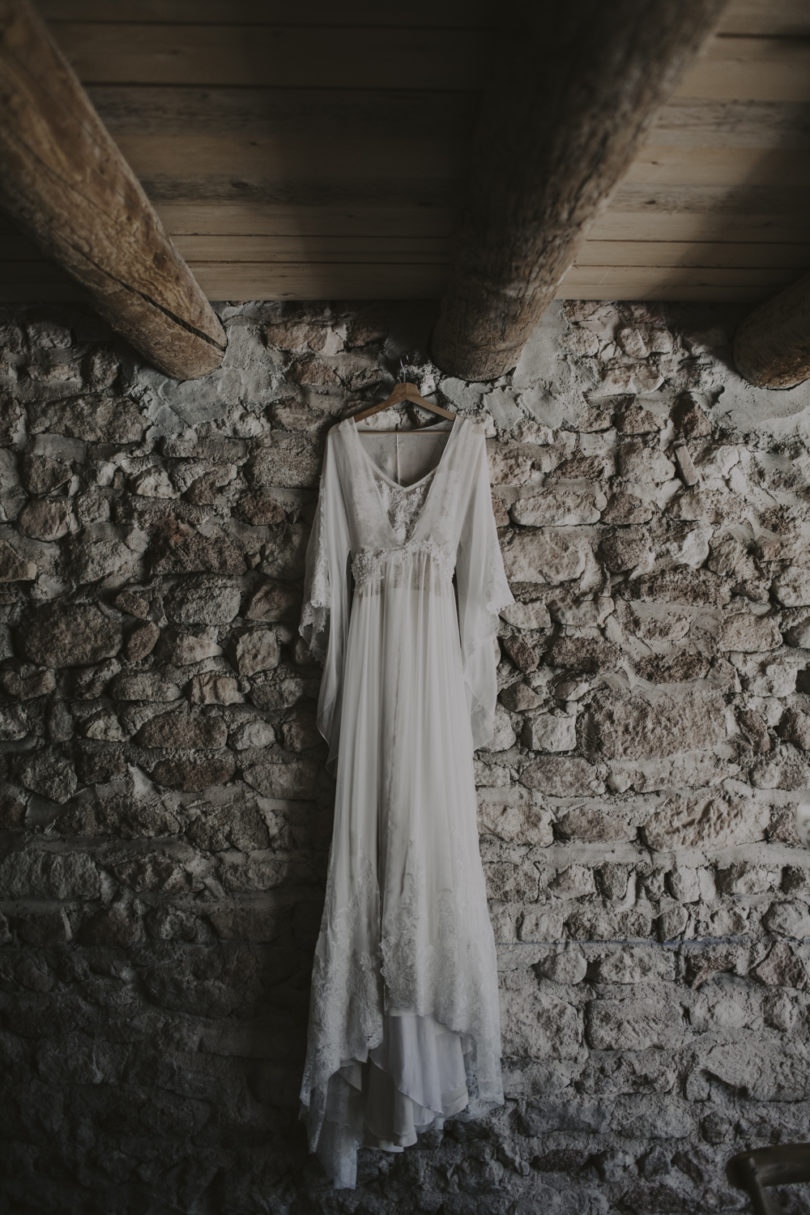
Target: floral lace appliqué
(403, 503)
(368, 563)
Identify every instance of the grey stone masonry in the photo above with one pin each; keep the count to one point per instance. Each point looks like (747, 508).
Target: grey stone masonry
(165, 812)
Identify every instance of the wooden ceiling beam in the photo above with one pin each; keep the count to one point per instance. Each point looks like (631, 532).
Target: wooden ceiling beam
(65, 182)
(772, 344)
(575, 89)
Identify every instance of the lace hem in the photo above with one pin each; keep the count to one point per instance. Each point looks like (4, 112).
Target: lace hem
(367, 967)
(314, 628)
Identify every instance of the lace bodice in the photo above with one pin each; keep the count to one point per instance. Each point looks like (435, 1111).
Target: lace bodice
(368, 525)
(402, 504)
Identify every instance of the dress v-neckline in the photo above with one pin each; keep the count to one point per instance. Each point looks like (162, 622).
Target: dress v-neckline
(375, 468)
(432, 476)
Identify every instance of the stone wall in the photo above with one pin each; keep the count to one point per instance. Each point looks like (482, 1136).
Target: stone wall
(166, 814)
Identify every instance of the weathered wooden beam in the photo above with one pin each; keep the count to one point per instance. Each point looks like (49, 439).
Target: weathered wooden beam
(63, 179)
(772, 345)
(576, 87)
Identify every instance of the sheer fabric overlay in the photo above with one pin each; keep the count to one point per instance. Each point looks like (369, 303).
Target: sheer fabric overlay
(403, 586)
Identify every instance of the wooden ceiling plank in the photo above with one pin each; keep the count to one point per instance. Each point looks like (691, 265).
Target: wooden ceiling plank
(244, 217)
(294, 56)
(317, 281)
(389, 114)
(749, 69)
(314, 157)
(732, 124)
(639, 217)
(333, 249)
(465, 13)
(267, 112)
(71, 294)
(529, 200)
(761, 213)
(656, 166)
(698, 226)
(361, 192)
(323, 280)
(67, 185)
(775, 18)
(676, 292)
(408, 58)
(348, 250)
(645, 278)
(699, 254)
(22, 282)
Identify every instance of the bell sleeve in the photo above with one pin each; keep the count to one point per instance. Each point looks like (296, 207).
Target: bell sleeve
(481, 591)
(326, 600)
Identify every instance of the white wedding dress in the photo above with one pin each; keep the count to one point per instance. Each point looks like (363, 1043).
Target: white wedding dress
(404, 1022)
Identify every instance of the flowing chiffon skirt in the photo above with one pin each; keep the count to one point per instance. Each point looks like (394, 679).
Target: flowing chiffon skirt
(404, 1012)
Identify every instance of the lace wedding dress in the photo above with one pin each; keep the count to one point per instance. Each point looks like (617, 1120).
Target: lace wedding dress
(403, 584)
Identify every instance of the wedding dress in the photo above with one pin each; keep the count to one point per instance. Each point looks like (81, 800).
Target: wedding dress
(403, 585)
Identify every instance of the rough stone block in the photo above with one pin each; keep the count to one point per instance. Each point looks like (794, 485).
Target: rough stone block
(70, 634)
(783, 967)
(635, 1023)
(748, 633)
(195, 772)
(561, 776)
(203, 600)
(634, 727)
(585, 654)
(792, 586)
(595, 824)
(50, 774)
(558, 507)
(257, 650)
(705, 822)
(37, 874)
(538, 1025)
(168, 730)
(663, 1116)
(634, 964)
(509, 882)
(550, 732)
(287, 460)
(541, 924)
(546, 556)
(643, 462)
(511, 815)
(788, 918)
(45, 518)
(759, 1066)
(14, 566)
(566, 966)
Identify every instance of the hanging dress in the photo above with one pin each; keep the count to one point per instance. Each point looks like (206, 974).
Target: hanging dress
(403, 585)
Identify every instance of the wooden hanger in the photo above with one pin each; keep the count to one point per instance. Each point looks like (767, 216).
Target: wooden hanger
(405, 391)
